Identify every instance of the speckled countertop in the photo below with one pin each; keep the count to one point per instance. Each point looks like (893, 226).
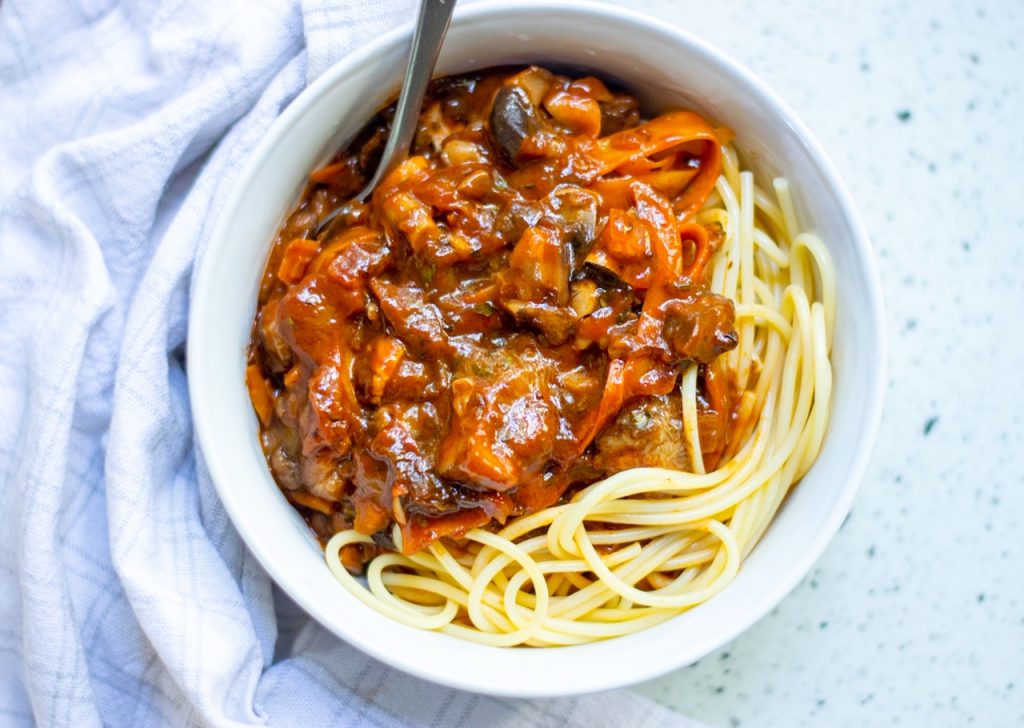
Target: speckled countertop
(915, 613)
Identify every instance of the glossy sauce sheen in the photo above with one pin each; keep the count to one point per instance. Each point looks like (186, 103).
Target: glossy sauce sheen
(504, 322)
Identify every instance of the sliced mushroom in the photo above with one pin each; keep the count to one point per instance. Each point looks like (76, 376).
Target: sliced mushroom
(513, 119)
(575, 209)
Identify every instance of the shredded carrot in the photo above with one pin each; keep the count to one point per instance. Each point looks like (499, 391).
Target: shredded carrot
(720, 400)
(386, 356)
(352, 557)
(326, 174)
(660, 135)
(612, 399)
(310, 501)
(260, 392)
(291, 377)
(724, 134)
(703, 249)
(418, 532)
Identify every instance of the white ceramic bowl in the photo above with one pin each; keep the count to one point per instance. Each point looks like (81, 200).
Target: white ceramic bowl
(667, 68)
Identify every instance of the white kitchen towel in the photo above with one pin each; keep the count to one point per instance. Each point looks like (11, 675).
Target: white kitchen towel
(126, 597)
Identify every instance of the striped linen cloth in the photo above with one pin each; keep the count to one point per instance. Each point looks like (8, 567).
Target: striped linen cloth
(126, 597)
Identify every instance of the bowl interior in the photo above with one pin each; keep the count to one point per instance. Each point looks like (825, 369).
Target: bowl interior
(667, 69)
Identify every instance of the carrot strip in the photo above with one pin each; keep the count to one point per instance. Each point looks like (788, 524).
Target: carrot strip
(698, 234)
(309, 500)
(260, 393)
(418, 532)
(386, 355)
(352, 558)
(291, 377)
(719, 400)
(327, 173)
(668, 252)
(612, 399)
(658, 136)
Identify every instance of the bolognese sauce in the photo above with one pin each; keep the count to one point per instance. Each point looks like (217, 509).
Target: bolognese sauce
(503, 322)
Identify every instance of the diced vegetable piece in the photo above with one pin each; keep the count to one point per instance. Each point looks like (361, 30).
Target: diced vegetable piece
(296, 258)
(534, 81)
(585, 298)
(476, 184)
(459, 151)
(370, 517)
(434, 127)
(330, 172)
(538, 268)
(411, 170)
(291, 377)
(575, 111)
(412, 218)
(386, 355)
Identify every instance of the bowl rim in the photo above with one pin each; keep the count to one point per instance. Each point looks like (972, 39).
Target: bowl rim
(234, 502)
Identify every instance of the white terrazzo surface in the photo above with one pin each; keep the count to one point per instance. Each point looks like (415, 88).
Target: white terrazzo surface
(915, 614)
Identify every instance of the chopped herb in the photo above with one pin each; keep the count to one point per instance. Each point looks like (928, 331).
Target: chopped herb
(484, 309)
